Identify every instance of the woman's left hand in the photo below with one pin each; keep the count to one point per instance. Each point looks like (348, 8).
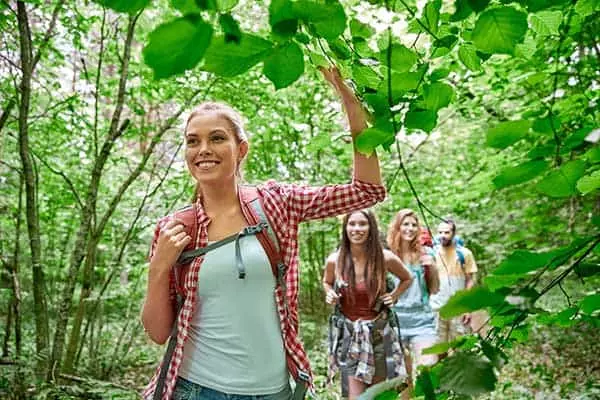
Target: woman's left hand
(388, 299)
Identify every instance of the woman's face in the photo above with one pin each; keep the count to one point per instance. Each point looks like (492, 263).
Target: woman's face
(409, 228)
(212, 151)
(357, 228)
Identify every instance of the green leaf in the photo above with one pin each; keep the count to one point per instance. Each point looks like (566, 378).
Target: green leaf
(590, 183)
(424, 120)
(230, 27)
(590, 303)
(340, 49)
(177, 46)
(587, 7)
(425, 384)
(282, 18)
(585, 270)
(185, 6)
(577, 138)
(523, 262)
(468, 56)
(519, 174)
(225, 5)
(358, 29)
(495, 282)
(365, 76)
(230, 59)
(499, 30)
(124, 6)
(478, 5)
(546, 23)
(506, 133)
(462, 10)
(327, 19)
(437, 95)
(542, 151)
(285, 65)
(470, 300)
(372, 137)
(438, 74)
(402, 58)
(467, 374)
(592, 155)
(562, 182)
(431, 15)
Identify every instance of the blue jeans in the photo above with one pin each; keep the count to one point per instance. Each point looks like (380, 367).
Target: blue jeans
(186, 390)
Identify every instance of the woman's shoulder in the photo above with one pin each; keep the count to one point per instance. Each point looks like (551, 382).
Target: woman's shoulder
(332, 258)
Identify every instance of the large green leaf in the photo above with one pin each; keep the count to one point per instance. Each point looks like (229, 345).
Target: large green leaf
(468, 56)
(431, 15)
(282, 18)
(562, 182)
(506, 133)
(229, 58)
(177, 46)
(465, 301)
(284, 65)
(522, 262)
(589, 183)
(478, 5)
(467, 374)
(437, 95)
(519, 174)
(590, 303)
(360, 30)
(372, 137)
(424, 120)
(546, 23)
(499, 30)
(402, 58)
(327, 19)
(124, 6)
(462, 10)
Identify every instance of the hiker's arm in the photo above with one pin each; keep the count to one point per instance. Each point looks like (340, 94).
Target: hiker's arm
(158, 314)
(394, 265)
(328, 281)
(366, 168)
(433, 276)
(469, 280)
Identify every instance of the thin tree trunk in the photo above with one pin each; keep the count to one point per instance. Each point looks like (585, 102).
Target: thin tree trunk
(89, 210)
(40, 307)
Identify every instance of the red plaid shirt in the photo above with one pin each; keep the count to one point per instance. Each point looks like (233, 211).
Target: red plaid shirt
(286, 205)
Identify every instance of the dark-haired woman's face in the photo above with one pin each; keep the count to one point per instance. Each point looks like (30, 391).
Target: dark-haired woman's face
(409, 228)
(358, 228)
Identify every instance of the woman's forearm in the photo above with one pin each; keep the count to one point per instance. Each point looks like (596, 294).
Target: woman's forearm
(158, 315)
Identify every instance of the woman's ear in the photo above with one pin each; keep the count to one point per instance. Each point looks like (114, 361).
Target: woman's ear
(243, 151)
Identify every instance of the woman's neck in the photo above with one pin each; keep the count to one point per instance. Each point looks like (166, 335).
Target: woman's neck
(406, 251)
(358, 253)
(219, 198)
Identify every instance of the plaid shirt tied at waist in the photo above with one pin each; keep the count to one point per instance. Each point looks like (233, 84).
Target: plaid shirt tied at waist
(352, 342)
(286, 205)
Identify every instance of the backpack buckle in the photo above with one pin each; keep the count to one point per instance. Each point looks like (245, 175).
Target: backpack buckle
(254, 229)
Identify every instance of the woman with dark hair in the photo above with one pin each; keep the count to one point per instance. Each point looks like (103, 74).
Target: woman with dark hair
(363, 340)
(231, 314)
(417, 321)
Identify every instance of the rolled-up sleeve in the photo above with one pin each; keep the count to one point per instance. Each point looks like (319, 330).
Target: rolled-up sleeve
(315, 202)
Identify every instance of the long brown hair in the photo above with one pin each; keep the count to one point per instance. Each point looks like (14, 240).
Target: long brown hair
(374, 274)
(394, 237)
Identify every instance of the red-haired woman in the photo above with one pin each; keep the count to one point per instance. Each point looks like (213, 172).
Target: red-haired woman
(355, 277)
(417, 321)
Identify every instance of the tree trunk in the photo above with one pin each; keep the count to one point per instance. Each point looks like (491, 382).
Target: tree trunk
(39, 300)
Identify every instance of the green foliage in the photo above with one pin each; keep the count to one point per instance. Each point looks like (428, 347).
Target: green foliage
(521, 173)
(229, 59)
(499, 30)
(467, 374)
(562, 182)
(471, 300)
(177, 46)
(284, 65)
(507, 133)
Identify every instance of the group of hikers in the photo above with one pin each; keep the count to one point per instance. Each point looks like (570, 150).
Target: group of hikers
(381, 326)
(223, 275)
